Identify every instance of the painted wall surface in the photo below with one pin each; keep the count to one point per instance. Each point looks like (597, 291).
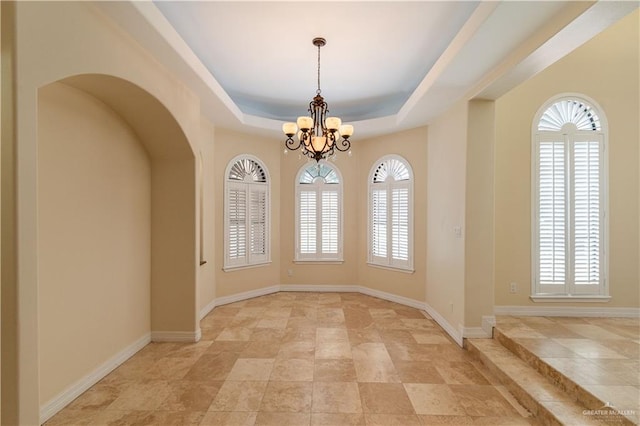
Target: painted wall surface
(412, 145)
(605, 69)
(227, 145)
(308, 273)
(207, 221)
(94, 236)
(446, 174)
(479, 212)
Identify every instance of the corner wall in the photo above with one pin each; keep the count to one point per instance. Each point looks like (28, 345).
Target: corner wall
(446, 175)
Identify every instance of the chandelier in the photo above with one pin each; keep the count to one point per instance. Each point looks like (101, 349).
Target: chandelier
(319, 135)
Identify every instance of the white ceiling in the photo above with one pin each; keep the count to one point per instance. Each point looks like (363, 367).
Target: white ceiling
(387, 66)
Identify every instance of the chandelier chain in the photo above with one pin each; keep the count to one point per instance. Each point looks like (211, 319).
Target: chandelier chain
(318, 91)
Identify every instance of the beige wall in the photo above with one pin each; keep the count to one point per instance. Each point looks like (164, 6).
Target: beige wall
(206, 224)
(94, 236)
(446, 210)
(412, 145)
(479, 213)
(606, 70)
(227, 145)
(8, 288)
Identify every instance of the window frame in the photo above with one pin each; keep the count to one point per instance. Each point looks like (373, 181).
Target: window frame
(249, 260)
(388, 262)
(316, 187)
(569, 290)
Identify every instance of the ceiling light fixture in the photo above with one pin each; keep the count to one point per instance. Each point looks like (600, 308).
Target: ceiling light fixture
(319, 135)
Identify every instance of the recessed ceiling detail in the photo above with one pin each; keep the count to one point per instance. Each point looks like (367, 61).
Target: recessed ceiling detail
(388, 66)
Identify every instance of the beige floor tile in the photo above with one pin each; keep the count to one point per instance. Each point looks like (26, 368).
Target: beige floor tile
(147, 395)
(588, 348)
(72, 416)
(336, 397)
(189, 396)
(241, 334)
(460, 373)
(333, 350)
(392, 420)
(428, 420)
(431, 338)
(418, 372)
(282, 419)
(239, 396)
(331, 335)
(334, 370)
(251, 369)
(504, 421)
(273, 323)
(337, 419)
(334, 359)
(97, 397)
(292, 370)
(287, 397)
(229, 418)
(433, 399)
(387, 398)
(212, 367)
(482, 400)
(373, 363)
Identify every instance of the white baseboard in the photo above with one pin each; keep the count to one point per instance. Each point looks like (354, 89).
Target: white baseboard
(245, 295)
(392, 297)
(208, 308)
(442, 322)
(57, 403)
(567, 311)
(176, 336)
(321, 288)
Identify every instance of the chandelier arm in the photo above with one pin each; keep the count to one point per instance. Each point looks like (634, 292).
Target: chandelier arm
(342, 145)
(291, 144)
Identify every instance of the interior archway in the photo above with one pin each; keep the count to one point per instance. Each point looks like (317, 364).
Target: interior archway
(117, 226)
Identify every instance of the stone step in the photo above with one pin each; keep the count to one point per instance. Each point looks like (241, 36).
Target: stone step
(549, 404)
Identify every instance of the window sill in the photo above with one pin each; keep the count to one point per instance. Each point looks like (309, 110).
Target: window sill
(392, 268)
(569, 298)
(240, 267)
(322, 261)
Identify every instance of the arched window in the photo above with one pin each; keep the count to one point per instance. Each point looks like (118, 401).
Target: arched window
(319, 213)
(246, 213)
(391, 213)
(569, 199)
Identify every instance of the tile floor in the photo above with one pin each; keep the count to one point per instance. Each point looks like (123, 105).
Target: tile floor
(601, 355)
(302, 359)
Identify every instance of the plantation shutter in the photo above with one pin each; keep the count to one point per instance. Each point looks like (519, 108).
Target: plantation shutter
(379, 223)
(400, 224)
(587, 212)
(237, 244)
(330, 222)
(258, 223)
(307, 222)
(552, 213)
